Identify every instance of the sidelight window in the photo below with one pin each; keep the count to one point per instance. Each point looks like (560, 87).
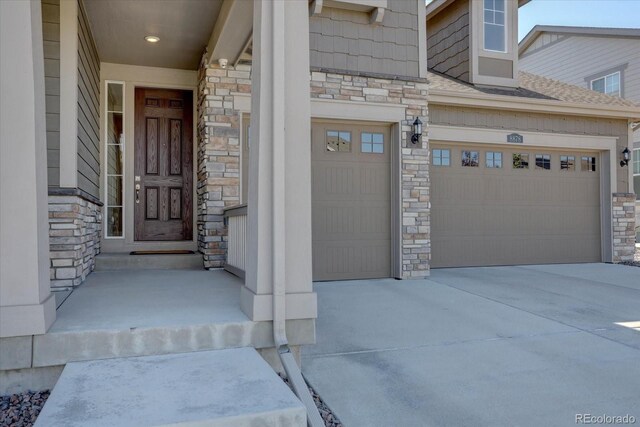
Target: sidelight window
(114, 160)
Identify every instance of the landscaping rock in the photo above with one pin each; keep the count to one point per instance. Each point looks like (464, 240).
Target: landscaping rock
(21, 410)
(330, 420)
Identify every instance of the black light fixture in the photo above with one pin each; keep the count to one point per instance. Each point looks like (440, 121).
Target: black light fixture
(417, 131)
(626, 156)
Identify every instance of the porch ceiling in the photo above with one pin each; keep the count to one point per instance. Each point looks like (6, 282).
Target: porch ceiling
(184, 27)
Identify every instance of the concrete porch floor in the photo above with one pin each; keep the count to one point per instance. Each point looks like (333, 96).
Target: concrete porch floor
(150, 312)
(130, 299)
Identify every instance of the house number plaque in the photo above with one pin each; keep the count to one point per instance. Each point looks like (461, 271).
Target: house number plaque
(515, 138)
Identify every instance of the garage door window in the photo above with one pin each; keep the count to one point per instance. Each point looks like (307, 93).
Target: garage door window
(543, 161)
(494, 159)
(338, 141)
(372, 142)
(588, 164)
(567, 163)
(520, 161)
(441, 157)
(470, 158)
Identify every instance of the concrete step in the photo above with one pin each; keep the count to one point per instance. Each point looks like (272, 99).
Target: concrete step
(230, 388)
(111, 262)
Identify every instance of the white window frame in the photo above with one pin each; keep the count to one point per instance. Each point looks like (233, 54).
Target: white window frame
(504, 25)
(106, 159)
(605, 77)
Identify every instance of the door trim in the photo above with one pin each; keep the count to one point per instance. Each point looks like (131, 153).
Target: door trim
(134, 77)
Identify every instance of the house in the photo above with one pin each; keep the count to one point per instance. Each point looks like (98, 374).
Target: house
(286, 159)
(606, 60)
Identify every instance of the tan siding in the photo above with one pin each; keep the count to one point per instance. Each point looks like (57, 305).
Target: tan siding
(448, 41)
(51, 45)
(88, 108)
(345, 40)
(534, 122)
(575, 58)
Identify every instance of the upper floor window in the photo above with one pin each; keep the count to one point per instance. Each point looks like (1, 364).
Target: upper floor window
(609, 84)
(494, 25)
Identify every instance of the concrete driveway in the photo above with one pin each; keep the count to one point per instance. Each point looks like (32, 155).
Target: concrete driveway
(493, 346)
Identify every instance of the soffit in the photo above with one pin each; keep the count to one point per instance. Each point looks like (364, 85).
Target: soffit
(184, 27)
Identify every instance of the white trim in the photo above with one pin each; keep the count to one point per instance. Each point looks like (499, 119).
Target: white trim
(504, 26)
(348, 110)
(123, 144)
(69, 94)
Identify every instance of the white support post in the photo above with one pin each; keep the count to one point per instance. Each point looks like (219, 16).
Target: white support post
(26, 304)
(279, 205)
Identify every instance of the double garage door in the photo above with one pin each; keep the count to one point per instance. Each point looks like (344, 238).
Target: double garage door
(497, 206)
(490, 205)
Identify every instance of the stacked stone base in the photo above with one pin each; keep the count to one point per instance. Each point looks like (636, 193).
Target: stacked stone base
(75, 225)
(624, 224)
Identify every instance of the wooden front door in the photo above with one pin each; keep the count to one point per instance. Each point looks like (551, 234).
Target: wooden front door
(163, 164)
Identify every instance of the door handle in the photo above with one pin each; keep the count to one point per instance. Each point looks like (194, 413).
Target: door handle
(137, 193)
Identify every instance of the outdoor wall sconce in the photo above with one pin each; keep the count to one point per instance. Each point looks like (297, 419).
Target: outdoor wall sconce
(417, 131)
(626, 156)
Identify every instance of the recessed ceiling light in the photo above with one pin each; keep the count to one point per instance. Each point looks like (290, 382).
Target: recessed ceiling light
(152, 39)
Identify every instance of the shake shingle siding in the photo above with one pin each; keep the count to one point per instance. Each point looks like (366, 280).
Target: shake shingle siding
(51, 45)
(448, 41)
(88, 108)
(345, 40)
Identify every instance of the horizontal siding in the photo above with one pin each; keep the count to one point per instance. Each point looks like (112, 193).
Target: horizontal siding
(448, 41)
(345, 40)
(534, 122)
(88, 108)
(51, 45)
(575, 58)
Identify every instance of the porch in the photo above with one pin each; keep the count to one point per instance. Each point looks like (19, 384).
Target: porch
(152, 312)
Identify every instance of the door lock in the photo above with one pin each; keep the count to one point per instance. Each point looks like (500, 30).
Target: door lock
(137, 191)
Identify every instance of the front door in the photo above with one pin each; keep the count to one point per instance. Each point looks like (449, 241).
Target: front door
(163, 165)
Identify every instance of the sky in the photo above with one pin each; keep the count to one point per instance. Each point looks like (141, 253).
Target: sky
(581, 13)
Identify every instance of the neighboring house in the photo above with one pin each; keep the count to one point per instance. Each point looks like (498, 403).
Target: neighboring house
(285, 158)
(606, 60)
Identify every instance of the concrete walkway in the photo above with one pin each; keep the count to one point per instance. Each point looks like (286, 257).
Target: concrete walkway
(496, 346)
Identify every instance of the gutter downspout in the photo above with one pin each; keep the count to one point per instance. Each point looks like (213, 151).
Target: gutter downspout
(294, 374)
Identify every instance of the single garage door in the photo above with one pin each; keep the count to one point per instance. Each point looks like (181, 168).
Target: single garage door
(499, 206)
(351, 196)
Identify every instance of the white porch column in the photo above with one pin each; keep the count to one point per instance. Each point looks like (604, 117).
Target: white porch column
(279, 205)
(26, 304)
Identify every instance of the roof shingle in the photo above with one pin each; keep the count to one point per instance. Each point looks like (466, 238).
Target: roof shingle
(531, 86)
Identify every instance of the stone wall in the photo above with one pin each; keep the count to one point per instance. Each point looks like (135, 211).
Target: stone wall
(416, 250)
(75, 225)
(219, 122)
(624, 222)
(218, 183)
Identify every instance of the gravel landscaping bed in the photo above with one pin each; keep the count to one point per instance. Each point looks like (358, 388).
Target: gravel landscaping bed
(21, 410)
(636, 259)
(330, 420)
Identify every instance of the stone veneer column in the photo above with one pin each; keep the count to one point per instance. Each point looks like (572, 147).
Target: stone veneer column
(75, 226)
(624, 224)
(26, 304)
(416, 231)
(218, 157)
